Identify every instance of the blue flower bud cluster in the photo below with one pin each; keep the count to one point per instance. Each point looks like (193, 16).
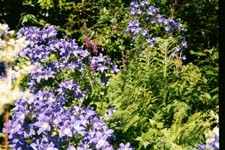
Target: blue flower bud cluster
(46, 121)
(145, 20)
(38, 40)
(101, 64)
(70, 56)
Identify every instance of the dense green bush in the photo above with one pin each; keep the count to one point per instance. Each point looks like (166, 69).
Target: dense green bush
(161, 103)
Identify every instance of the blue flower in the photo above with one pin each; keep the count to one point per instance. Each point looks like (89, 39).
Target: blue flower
(125, 147)
(42, 127)
(47, 122)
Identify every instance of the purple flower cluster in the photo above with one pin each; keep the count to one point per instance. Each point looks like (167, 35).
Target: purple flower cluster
(45, 123)
(152, 41)
(42, 73)
(151, 16)
(101, 64)
(70, 86)
(55, 55)
(146, 21)
(34, 34)
(38, 40)
(125, 147)
(43, 43)
(134, 27)
(65, 88)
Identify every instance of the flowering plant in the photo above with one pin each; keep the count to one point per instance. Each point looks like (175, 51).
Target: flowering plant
(147, 25)
(9, 50)
(54, 117)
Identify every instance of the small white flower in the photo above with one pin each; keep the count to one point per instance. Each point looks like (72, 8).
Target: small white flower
(4, 27)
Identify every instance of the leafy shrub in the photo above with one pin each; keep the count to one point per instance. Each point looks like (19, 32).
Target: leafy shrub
(160, 98)
(160, 102)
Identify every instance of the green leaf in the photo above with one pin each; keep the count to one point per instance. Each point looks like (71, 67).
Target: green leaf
(131, 123)
(197, 53)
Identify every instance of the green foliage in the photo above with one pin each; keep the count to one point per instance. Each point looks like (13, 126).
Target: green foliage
(106, 20)
(175, 137)
(160, 103)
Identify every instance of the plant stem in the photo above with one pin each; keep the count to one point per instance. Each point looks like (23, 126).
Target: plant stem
(6, 117)
(165, 76)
